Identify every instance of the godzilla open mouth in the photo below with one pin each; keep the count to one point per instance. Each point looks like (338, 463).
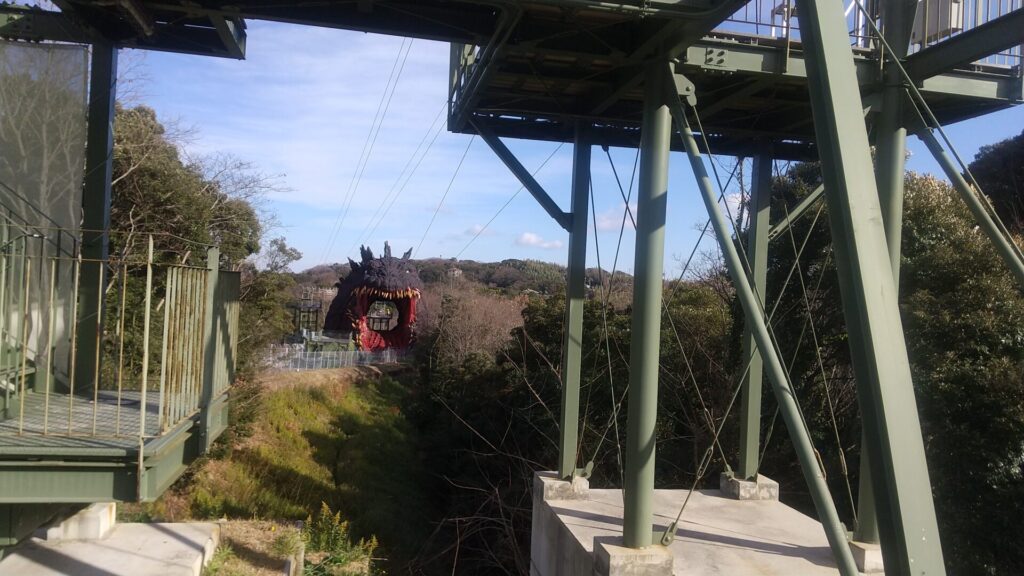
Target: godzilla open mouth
(376, 301)
(386, 317)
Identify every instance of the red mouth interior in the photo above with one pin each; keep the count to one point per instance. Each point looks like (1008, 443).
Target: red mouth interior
(371, 332)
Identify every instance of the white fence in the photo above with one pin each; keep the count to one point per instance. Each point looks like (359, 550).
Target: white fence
(296, 358)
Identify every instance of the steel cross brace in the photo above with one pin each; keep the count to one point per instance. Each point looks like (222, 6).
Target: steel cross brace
(906, 513)
(550, 206)
(773, 366)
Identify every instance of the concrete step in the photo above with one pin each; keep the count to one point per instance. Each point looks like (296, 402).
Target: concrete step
(91, 523)
(181, 549)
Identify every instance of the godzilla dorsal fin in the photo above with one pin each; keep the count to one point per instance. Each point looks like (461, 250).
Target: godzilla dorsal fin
(407, 255)
(387, 249)
(352, 266)
(366, 253)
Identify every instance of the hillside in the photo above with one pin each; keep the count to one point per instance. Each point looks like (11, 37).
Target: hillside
(510, 277)
(304, 440)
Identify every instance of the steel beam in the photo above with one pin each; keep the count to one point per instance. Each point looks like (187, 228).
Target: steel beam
(990, 38)
(99, 157)
(35, 24)
(575, 293)
(906, 513)
(890, 160)
(652, 200)
(757, 253)
(755, 317)
(232, 34)
(682, 35)
(1008, 250)
(799, 210)
(532, 186)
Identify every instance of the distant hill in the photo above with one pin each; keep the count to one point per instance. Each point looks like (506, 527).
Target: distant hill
(512, 276)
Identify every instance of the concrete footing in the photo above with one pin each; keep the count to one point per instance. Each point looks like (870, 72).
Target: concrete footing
(555, 550)
(90, 543)
(868, 557)
(92, 523)
(613, 559)
(577, 530)
(760, 488)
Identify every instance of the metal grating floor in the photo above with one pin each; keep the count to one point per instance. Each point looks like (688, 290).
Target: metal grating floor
(100, 424)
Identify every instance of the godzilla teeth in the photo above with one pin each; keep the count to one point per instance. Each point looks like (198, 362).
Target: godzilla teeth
(410, 293)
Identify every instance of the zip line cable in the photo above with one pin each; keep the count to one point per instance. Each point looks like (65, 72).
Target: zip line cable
(398, 186)
(509, 201)
(746, 262)
(702, 469)
(664, 309)
(607, 345)
(370, 136)
(619, 182)
(919, 104)
(622, 226)
(380, 124)
(706, 460)
(821, 365)
(408, 178)
(378, 120)
(792, 362)
(446, 191)
(616, 406)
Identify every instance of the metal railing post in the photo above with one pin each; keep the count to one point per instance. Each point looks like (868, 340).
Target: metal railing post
(212, 314)
(148, 299)
(652, 200)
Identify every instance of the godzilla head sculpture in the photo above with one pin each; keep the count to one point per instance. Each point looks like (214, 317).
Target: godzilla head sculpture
(376, 302)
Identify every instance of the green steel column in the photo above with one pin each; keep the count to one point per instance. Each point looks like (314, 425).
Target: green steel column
(99, 156)
(757, 253)
(1009, 251)
(890, 159)
(572, 343)
(211, 319)
(652, 199)
(755, 318)
(906, 513)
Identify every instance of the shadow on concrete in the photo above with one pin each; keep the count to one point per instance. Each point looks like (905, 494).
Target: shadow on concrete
(59, 562)
(819, 555)
(197, 546)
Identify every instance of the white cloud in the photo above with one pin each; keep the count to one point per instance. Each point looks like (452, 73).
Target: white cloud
(477, 229)
(611, 219)
(732, 202)
(535, 241)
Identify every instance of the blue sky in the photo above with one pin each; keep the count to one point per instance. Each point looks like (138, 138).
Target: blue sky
(303, 101)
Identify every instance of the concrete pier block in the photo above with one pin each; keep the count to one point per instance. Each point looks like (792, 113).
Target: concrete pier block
(91, 523)
(129, 550)
(548, 486)
(614, 559)
(553, 549)
(760, 488)
(868, 557)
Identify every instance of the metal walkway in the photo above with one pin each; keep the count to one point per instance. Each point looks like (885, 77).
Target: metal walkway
(65, 421)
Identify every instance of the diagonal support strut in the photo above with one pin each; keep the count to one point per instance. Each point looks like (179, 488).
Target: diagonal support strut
(550, 206)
